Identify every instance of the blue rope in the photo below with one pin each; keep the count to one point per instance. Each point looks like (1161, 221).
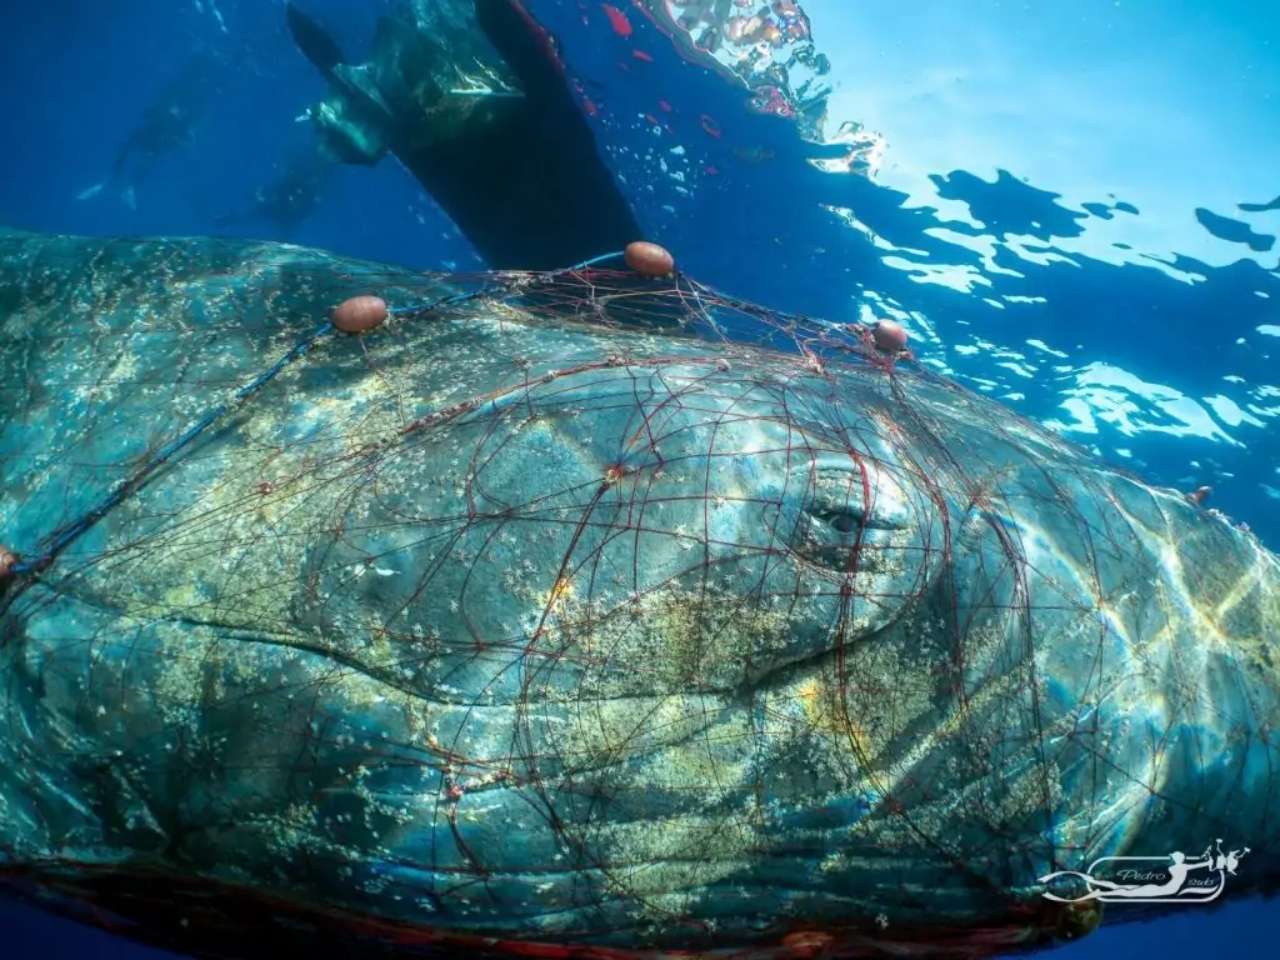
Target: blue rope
(68, 535)
(64, 538)
(594, 261)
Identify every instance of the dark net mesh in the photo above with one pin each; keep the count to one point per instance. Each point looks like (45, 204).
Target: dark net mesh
(585, 614)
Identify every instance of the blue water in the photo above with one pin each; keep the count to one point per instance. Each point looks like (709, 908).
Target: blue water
(1051, 206)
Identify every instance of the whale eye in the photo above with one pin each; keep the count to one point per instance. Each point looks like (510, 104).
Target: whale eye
(827, 523)
(826, 534)
(830, 529)
(843, 521)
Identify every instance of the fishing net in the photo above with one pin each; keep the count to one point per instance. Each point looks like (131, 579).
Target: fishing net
(584, 614)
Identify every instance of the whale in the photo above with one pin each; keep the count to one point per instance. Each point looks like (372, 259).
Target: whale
(518, 626)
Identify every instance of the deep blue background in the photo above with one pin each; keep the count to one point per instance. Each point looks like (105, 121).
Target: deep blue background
(747, 212)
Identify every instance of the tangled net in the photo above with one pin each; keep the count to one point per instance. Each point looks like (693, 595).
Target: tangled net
(582, 614)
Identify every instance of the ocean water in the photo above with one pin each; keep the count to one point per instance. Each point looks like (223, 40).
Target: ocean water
(1067, 203)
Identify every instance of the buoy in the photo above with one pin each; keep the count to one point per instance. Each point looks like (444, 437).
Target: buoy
(649, 259)
(1200, 494)
(889, 336)
(360, 314)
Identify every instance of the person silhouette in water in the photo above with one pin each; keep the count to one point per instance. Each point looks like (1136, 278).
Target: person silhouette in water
(168, 124)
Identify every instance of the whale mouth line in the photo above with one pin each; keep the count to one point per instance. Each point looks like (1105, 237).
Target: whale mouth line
(293, 641)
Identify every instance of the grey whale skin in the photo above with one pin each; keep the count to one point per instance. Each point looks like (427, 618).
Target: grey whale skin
(509, 627)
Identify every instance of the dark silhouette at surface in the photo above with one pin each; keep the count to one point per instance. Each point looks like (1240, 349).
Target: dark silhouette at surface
(288, 200)
(514, 164)
(1010, 205)
(168, 125)
(1234, 231)
(1260, 207)
(1105, 211)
